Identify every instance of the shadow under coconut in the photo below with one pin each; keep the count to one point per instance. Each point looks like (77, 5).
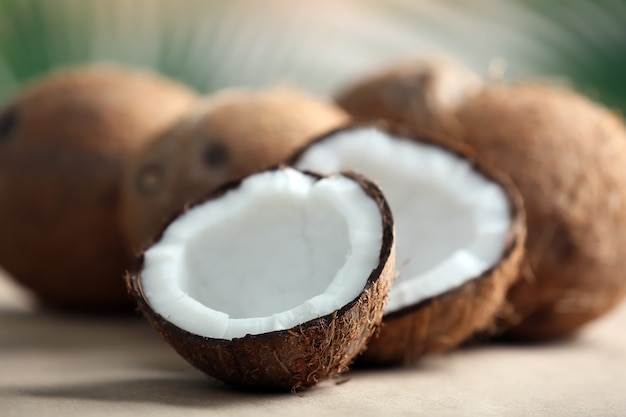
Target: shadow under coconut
(121, 341)
(571, 345)
(51, 332)
(189, 391)
(505, 341)
(439, 362)
(433, 363)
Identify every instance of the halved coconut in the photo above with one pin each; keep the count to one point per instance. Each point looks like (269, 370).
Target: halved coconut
(274, 282)
(224, 137)
(460, 234)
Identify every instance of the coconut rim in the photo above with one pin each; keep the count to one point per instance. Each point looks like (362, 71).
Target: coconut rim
(135, 288)
(400, 131)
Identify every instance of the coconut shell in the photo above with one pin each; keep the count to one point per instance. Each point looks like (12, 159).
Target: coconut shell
(424, 89)
(63, 144)
(227, 136)
(444, 322)
(566, 155)
(288, 359)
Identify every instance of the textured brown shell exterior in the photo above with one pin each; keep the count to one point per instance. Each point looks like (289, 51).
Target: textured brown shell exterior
(299, 357)
(251, 130)
(567, 156)
(60, 168)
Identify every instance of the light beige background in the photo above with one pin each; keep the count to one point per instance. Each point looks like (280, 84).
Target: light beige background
(55, 365)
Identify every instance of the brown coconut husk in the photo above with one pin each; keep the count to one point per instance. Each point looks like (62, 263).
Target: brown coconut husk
(298, 357)
(227, 136)
(64, 142)
(566, 155)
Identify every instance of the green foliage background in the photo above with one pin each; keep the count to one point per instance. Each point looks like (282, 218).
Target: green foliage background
(212, 45)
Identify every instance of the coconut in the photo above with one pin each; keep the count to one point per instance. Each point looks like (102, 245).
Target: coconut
(460, 235)
(227, 136)
(63, 143)
(566, 155)
(418, 91)
(273, 282)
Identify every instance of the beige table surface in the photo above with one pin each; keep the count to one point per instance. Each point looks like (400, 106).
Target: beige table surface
(55, 365)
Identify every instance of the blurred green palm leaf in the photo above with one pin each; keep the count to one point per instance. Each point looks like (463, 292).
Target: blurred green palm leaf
(318, 45)
(594, 57)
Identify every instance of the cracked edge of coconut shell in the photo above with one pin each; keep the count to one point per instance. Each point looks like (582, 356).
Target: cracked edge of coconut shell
(295, 358)
(467, 312)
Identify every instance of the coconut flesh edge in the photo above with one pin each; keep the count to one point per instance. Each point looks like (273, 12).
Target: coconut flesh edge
(281, 249)
(451, 221)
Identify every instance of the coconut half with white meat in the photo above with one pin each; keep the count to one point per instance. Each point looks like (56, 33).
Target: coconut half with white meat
(274, 282)
(460, 235)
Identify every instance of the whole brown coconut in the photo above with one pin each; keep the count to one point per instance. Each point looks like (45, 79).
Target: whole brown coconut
(225, 137)
(424, 89)
(566, 155)
(63, 143)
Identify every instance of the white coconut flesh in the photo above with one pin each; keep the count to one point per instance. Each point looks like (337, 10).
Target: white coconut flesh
(451, 221)
(279, 250)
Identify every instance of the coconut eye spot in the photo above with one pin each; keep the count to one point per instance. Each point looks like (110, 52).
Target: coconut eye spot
(281, 249)
(149, 179)
(451, 222)
(8, 122)
(215, 155)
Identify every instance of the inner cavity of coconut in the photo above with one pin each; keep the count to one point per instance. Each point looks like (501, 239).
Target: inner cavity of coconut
(451, 221)
(279, 250)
